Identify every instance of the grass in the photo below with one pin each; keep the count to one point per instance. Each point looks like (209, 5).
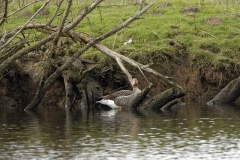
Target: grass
(205, 44)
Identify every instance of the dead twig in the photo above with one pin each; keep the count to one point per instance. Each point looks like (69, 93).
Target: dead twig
(55, 13)
(31, 19)
(209, 34)
(4, 17)
(22, 8)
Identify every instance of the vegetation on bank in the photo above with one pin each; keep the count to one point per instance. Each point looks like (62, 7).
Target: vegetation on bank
(210, 34)
(207, 33)
(203, 33)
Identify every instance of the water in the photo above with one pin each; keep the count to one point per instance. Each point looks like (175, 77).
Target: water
(194, 131)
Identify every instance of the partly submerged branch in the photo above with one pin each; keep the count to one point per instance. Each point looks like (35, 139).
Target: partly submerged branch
(141, 96)
(158, 101)
(170, 104)
(228, 94)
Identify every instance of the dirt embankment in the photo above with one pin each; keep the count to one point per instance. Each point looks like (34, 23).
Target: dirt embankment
(199, 84)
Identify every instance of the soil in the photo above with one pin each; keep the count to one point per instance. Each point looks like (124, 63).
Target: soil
(214, 21)
(199, 84)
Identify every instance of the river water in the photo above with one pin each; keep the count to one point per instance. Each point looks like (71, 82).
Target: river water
(194, 131)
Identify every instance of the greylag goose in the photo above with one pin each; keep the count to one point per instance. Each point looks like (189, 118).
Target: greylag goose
(121, 98)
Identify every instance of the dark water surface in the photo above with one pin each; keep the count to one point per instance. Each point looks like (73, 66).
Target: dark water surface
(193, 131)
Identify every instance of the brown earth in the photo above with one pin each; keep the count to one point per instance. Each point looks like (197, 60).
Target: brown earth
(199, 84)
(193, 80)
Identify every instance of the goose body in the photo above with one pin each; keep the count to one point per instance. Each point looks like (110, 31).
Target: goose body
(108, 102)
(121, 98)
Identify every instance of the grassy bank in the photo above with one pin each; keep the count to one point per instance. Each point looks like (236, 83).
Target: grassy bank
(208, 35)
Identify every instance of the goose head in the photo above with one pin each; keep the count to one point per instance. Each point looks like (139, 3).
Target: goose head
(134, 82)
(136, 90)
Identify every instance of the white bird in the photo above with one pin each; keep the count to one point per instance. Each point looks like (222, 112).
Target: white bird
(128, 42)
(121, 98)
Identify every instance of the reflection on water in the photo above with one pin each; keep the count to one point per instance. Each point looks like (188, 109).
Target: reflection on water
(193, 131)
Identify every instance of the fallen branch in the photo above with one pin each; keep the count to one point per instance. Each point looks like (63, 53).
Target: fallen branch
(228, 94)
(113, 54)
(36, 45)
(50, 81)
(31, 19)
(119, 61)
(85, 38)
(170, 104)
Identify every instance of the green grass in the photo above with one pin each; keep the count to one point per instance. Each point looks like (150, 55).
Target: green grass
(205, 44)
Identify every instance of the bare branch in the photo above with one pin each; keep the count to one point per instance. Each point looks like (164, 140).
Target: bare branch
(25, 24)
(3, 39)
(22, 8)
(55, 13)
(40, 27)
(52, 49)
(36, 101)
(3, 18)
(143, 74)
(119, 61)
(20, 53)
(114, 55)
(209, 34)
(59, 32)
(80, 18)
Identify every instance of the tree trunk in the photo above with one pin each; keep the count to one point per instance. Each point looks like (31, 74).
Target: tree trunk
(228, 94)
